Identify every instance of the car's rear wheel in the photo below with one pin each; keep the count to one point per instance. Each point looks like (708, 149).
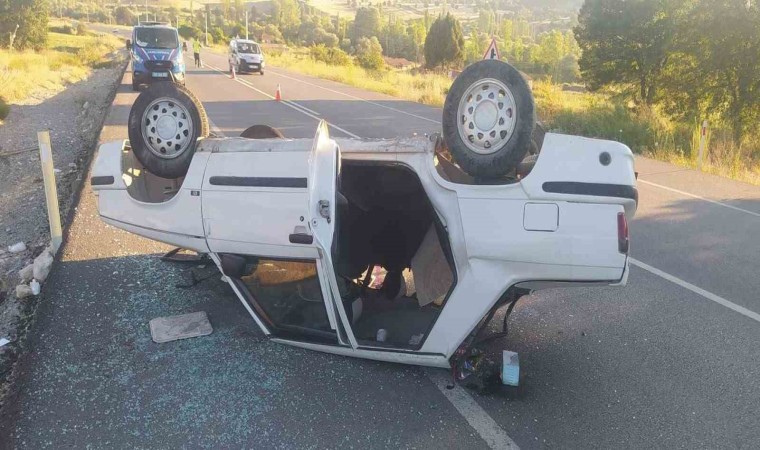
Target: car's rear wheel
(165, 122)
(488, 119)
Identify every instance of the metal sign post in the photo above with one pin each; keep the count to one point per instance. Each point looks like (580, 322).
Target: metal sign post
(51, 192)
(702, 143)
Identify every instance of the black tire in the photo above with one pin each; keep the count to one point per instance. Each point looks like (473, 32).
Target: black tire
(261, 72)
(135, 86)
(177, 165)
(502, 158)
(261, 132)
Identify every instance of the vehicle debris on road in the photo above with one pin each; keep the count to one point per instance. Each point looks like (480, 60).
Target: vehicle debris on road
(23, 291)
(18, 247)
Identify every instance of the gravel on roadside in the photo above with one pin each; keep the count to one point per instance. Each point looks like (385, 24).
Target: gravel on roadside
(74, 118)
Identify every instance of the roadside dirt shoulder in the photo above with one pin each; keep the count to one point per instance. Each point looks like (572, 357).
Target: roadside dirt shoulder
(74, 118)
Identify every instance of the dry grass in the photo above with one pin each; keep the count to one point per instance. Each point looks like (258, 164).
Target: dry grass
(721, 157)
(68, 59)
(429, 89)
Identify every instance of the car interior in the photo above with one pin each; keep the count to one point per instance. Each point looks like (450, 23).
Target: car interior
(390, 254)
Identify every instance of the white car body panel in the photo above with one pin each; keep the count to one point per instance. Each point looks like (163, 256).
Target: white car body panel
(499, 235)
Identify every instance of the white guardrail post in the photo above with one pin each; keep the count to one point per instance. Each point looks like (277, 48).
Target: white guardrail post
(51, 192)
(702, 143)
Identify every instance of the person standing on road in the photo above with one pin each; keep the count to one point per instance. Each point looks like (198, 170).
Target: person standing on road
(197, 53)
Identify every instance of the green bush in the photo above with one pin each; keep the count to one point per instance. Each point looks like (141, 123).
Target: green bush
(31, 16)
(639, 130)
(369, 52)
(81, 29)
(189, 32)
(329, 55)
(217, 35)
(63, 29)
(4, 109)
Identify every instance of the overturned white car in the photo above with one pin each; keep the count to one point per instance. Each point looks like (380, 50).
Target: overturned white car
(381, 249)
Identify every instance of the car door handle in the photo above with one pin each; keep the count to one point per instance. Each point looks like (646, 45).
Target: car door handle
(301, 238)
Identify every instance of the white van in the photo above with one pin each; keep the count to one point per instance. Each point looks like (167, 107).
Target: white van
(245, 56)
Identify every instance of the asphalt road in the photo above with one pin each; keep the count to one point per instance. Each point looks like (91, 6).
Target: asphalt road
(663, 362)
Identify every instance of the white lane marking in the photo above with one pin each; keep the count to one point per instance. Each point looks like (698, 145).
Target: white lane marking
(303, 107)
(697, 290)
(299, 107)
(357, 98)
(487, 428)
(725, 205)
(291, 104)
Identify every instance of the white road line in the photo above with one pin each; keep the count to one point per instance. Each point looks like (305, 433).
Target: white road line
(487, 428)
(715, 202)
(303, 107)
(357, 98)
(697, 290)
(291, 104)
(299, 107)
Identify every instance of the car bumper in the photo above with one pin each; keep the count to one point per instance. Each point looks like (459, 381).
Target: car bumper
(150, 77)
(251, 67)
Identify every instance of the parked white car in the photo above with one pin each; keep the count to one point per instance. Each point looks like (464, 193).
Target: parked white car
(245, 56)
(381, 249)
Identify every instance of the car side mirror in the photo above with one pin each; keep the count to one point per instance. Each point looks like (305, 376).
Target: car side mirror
(233, 266)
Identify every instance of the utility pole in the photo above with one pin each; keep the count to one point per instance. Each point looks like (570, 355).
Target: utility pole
(206, 36)
(246, 24)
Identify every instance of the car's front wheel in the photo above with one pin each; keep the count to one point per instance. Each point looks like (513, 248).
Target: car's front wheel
(165, 122)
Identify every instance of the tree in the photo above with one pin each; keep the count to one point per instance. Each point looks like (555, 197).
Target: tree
(189, 32)
(715, 71)
(552, 48)
(366, 23)
(486, 20)
(287, 17)
(444, 43)
(417, 31)
(28, 19)
(124, 16)
(369, 53)
(625, 42)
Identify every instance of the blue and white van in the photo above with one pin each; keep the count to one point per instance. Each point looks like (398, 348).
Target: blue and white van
(156, 54)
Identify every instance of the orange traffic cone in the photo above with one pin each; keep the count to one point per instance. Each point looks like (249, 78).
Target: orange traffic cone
(278, 94)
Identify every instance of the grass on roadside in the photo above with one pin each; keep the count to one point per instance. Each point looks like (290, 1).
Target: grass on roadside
(429, 89)
(68, 59)
(4, 109)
